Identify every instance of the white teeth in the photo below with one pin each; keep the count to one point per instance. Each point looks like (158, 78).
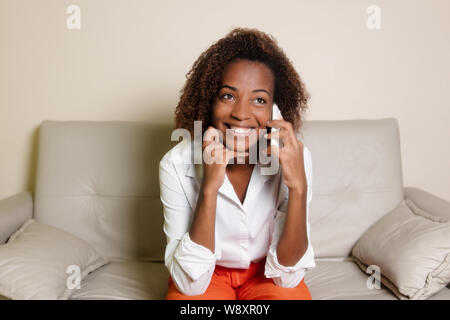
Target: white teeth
(241, 130)
(238, 130)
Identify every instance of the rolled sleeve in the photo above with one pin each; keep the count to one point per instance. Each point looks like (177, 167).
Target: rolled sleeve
(194, 258)
(190, 265)
(290, 276)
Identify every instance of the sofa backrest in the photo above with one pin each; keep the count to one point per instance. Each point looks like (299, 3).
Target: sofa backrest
(357, 179)
(99, 180)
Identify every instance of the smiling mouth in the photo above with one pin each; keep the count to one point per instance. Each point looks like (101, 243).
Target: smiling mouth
(239, 131)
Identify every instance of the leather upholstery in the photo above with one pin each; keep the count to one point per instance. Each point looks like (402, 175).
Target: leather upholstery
(330, 280)
(14, 212)
(342, 279)
(357, 178)
(99, 181)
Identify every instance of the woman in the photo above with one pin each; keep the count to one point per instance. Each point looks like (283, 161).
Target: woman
(233, 232)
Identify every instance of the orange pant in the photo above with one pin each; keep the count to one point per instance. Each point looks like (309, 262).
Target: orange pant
(242, 284)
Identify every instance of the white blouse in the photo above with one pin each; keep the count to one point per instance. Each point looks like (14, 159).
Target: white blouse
(244, 233)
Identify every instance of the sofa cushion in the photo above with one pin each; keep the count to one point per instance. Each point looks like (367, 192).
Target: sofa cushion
(42, 262)
(99, 181)
(125, 280)
(357, 180)
(335, 280)
(412, 249)
(342, 280)
(338, 279)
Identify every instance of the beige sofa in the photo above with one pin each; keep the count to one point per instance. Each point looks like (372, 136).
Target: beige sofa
(99, 182)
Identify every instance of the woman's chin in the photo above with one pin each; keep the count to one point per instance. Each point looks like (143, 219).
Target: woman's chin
(241, 147)
(245, 159)
(238, 149)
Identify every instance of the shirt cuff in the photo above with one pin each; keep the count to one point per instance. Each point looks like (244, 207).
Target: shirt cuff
(274, 269)
(194, 258)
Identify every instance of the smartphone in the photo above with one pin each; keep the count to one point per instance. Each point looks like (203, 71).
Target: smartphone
(276, 115)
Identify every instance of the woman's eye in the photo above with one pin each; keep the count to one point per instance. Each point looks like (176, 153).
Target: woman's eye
(261, 100)
(227, 95)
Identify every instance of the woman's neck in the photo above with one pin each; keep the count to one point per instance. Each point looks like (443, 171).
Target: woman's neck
(238, 167)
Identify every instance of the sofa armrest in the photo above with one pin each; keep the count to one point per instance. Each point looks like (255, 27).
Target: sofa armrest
(14, 212)
(428, 202)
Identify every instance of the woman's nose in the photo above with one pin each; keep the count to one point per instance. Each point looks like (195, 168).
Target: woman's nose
(241, 111)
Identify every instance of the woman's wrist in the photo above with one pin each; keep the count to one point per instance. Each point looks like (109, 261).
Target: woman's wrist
(209, 191)
(298, 191)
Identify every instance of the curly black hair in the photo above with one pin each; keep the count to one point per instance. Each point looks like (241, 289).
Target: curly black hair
(203, 80)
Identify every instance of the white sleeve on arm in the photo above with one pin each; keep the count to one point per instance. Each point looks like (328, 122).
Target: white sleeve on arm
(191, 265)
(290, 276)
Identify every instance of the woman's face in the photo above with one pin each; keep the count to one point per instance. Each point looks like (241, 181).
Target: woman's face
(243, 103)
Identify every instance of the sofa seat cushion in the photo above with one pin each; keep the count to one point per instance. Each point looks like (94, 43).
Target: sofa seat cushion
(332, 280)
(125, 280)
(339, 279)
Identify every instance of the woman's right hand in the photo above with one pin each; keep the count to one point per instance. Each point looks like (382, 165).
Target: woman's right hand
(215, 159)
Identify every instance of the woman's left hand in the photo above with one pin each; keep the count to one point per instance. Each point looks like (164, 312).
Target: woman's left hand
(290, 155)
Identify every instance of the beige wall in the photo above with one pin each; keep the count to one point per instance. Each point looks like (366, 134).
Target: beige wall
(129, 59)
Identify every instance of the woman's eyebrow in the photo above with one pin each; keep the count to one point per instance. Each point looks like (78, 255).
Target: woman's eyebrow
(235, 89)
